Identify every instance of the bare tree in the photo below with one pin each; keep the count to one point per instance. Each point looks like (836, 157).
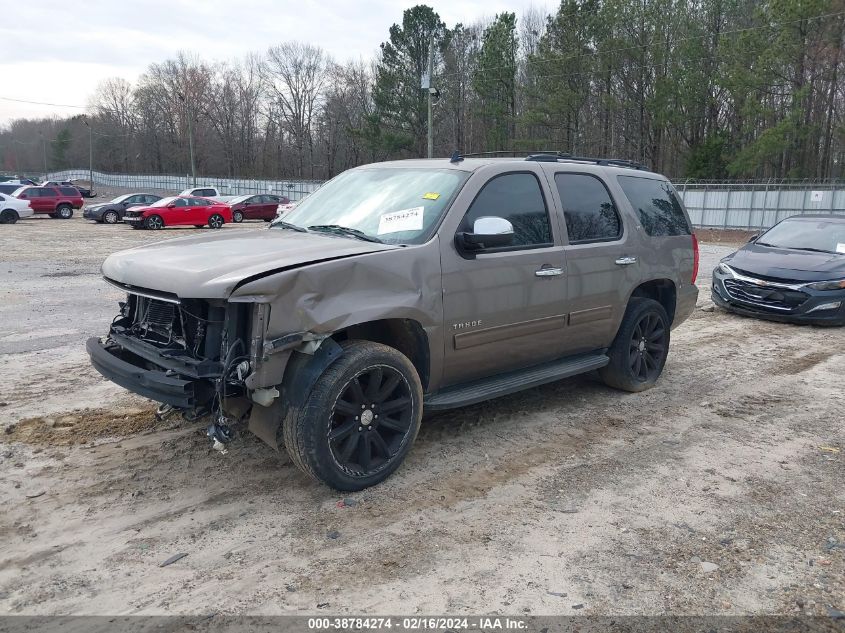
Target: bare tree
(295, 74)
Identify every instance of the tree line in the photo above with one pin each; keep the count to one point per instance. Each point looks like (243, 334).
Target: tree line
(717, 89)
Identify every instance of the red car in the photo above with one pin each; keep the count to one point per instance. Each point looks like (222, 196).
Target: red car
(256, 207)
(57, 202)
(179, 211)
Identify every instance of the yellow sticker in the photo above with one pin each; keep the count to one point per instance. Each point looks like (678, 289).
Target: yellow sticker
(431, 196)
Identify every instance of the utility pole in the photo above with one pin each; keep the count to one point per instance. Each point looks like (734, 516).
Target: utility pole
(44, 153)
(190, 138)
(90, 152)
(429, 87)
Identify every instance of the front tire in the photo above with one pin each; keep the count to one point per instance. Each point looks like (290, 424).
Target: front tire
(639, 351)
(237, 217)
(154, 223)
(360, 419)
(111, 217)
(216, 221)
(64, 212)
(9, 216)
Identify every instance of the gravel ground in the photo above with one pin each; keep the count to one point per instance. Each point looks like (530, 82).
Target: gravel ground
(718, 492)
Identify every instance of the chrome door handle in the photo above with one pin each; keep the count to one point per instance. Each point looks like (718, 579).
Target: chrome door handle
(626, 261)
(548, 272)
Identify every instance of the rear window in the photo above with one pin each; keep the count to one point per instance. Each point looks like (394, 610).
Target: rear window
(69, 191)
(656, 204)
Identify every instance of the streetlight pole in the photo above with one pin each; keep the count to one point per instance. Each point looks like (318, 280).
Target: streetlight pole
(90, 153)
(44, 153)
(190, 138)
(430, 78)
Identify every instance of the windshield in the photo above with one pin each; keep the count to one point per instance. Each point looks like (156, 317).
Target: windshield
(164, 201)
(391, 204)
(814, 235)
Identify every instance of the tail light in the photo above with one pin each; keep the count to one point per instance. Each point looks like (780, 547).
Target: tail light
(695, 257)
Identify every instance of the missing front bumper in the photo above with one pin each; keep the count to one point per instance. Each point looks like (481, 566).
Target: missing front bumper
(115, 364)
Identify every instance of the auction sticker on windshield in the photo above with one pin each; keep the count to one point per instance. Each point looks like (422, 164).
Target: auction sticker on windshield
(404, 220)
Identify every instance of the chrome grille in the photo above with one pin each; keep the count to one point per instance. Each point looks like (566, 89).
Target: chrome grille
(762, 296)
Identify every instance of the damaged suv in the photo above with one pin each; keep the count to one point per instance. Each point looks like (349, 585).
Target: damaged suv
(401, 287)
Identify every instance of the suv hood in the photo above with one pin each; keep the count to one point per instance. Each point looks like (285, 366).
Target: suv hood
(211, 266)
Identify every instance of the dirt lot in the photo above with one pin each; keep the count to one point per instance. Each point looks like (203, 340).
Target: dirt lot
(719, 491)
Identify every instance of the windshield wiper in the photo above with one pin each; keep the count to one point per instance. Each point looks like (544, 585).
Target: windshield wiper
(765, 244)
(344, 230)
(288, 225)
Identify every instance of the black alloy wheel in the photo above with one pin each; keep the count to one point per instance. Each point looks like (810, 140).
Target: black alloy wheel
(358, 422)
(371, 421)
(647, 347)
(639, 350)
(215, 221)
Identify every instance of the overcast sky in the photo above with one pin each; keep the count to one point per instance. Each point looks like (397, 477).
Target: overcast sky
(50, 53)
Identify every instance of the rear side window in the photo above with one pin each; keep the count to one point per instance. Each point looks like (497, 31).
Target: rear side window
(47, 192)
(69, 191)
(518, 199)
(590, 213)
(656, 204)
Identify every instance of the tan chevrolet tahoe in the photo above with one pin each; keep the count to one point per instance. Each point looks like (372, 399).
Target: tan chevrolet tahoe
(402, 287)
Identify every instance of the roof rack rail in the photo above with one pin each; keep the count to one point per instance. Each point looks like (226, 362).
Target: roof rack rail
(548, 156)
(607, 162)
(515, 153)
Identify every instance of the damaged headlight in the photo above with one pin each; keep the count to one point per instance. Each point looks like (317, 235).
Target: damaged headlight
(833, 284)
(724, 268)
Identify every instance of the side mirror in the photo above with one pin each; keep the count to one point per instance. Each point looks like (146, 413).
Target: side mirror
(171, 205)
(487, 232)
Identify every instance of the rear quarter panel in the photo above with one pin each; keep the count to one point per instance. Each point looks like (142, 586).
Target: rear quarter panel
(661, 257)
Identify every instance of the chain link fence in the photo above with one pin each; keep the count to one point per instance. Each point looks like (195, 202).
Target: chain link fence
(711, 204)
(293, 189)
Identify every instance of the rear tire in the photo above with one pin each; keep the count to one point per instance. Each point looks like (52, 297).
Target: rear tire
(64, 211)
(111, 217)
(9, 216)
(337, 437)
(237, 217)
(154, 223)
(216, 221)
(639, 351)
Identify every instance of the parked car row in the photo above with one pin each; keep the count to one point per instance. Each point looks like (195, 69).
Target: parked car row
(201, 206)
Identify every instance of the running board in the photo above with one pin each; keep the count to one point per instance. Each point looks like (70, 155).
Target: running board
(513, 381)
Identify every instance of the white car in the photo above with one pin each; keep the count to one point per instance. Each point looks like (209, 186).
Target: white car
(212, 193)
(12, 209)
